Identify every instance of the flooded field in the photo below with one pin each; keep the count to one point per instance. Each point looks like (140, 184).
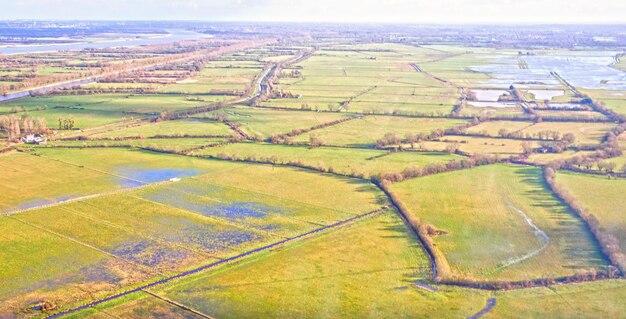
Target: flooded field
(268, 172)
(133, 176)
(590, 70)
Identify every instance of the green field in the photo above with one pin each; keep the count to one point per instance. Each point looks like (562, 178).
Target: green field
(265, 123)
(484, 213)
(615, 100)
(160, 229)
(291, 201)
(110, 103)
(546, 158)
(313, 274)
(589, 300)
(372, 81)
(326, 277)
(185, 127)
(90, 111)
(492, 128)
(364, 132)
(216, 77)
(485, 145)
(40, 265)
(28, 180)
(596, 193)
(341, 160)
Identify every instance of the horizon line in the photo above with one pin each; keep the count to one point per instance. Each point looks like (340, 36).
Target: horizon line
(494, 23)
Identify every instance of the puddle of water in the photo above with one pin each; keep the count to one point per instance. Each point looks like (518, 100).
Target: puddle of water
(135, 176)
(100, 271)
(543, 238)
(232, 211)
(543, 95)
(149, 254)
(204, 236)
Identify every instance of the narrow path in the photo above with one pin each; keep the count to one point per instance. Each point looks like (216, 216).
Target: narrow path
(217, 263)
(491, 302)
(434, 77)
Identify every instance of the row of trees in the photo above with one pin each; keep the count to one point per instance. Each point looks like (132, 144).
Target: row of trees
(558, 146)
(393, 138)
(550, 135)
(15, 126)
(273, 159)
(442, 268)
(608, 149)
(602, 108)
(285, 138)
(608, 242)
(67, 123)
(435, 168)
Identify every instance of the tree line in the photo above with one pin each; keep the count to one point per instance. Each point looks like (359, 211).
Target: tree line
(608, 149)
(608, 243)
(14, 126)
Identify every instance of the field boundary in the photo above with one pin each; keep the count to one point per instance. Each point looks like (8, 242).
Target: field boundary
(218, 263)
(177, 304)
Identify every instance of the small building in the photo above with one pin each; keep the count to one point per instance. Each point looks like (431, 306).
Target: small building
(34, 139)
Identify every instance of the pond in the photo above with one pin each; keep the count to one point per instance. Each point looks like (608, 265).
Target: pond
(488, 95)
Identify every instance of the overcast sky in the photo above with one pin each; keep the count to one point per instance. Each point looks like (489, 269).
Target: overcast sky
(395, 11)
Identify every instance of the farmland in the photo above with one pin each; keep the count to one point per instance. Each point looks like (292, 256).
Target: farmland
(519, 245)
(250, 171)
(364, 132)
(594, 192)
(363, 162)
